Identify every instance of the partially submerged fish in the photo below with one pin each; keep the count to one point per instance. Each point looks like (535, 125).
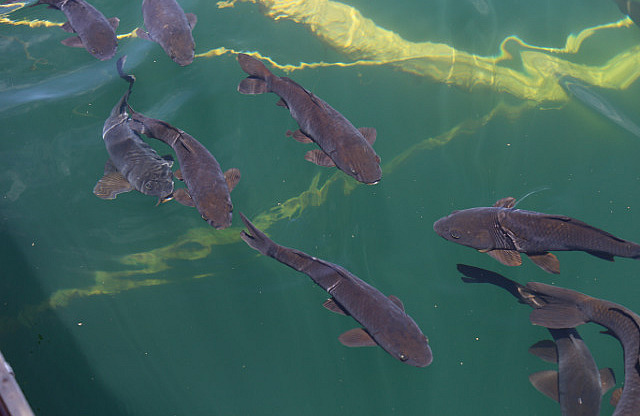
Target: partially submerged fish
(95, 33)
(504, 232)
(170, 27)
(383, 319)
(207, 187)
(132, 163)
(343, 146)
(577, 385)
(565, 308)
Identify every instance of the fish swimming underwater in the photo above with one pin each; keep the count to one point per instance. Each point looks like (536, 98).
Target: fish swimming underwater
(504, 232)
(565, 308)
(577, 385)
(343, 146)
(384, 321)
(95, 33)
(132, 163)
(169, 26)
(207, 187)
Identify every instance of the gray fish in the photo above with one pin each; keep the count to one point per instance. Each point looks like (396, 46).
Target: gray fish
(565, 308)
(577, 385)
(504, 232)
(95, 33)
(132, 164)
(169, 26)
(597, 102)
(343, 146)
(207, 187)
(384, 321)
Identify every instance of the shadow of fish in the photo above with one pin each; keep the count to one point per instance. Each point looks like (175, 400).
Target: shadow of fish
(208, 189)
(95, 33)
(577, 385)
(170, 27)
(504, 232)
(343, 146)
(565, 308)
(384, 321)
(631, 8)
(597, 102)
(132, 163)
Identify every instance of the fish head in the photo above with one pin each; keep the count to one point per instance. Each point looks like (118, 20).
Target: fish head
(362, 163)
(158, 187)
(407, 344)
(181, 48)
(470, 227)
(101, 42)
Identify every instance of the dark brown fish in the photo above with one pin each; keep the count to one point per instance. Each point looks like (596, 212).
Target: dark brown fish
(565, 308)
(207, 187)
(504, 232)
(170, 27)
(577, 385)
(343, 146)
(384, 321)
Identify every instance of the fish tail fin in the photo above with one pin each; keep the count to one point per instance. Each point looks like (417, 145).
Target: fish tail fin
(127, 77)
(256, 83)
(256, 239)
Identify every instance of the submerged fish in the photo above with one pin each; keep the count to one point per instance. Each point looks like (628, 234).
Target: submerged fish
(577, 385)
(343, 146)
(95, 33)
(565, 308)
(384, 321)
(504, 232)
(591, 99)
(132, 163)
(169, 26)
(207, 187)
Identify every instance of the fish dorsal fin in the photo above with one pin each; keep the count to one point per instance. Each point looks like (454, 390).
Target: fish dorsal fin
(507, 202)
(506, 257)
(252, 85)
(546, 350)
(356, 337)
(282, 103)
(319, 157)
(143, 35)
(615, 396)
(558, 316)
(192, 19)
(298, 135)
(182, 196)
(114, 22)
(369, 134)
(67, 28)
(73, 42)
(546, 382)
(333, 306)
(547, 262)
(111, 184)
(397, 302)
(607, 379)
(232, 177)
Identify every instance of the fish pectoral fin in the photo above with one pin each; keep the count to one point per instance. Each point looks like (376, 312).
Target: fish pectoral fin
(602, 255)
(356, 337)
(331, 305)
(232, 176)
(67, 28)
(114, 22)
(298, 135)
(143, 35)
(507, 202)
(397, 302)
(546, 382)
(73, 41)
(369, 134)
(178, 175)
(558, 315)
(607, 379)
(506, 257)
(545, 350)
(110, 185)
(319, 158)
(282, 103)
(547, 262)
(615, 396)
(182, 196)
(253, 85)
(192, 19)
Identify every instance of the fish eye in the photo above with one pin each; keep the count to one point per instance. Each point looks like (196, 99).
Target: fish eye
(148, 185)
(403, 357)
(455, 234)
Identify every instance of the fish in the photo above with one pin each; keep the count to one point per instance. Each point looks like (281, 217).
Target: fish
(591, 99)
(504, 232)
(207, 188)
(631, 8)
(170, 27)
(132, 164)
(566, 308)
(578, 385)
(383, 318)
(96, 33)
(341, 144)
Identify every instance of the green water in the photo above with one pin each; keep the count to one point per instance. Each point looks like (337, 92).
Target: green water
(233, 333)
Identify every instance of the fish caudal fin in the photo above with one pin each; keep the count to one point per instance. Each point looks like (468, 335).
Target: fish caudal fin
(256, 239)
(256, 83)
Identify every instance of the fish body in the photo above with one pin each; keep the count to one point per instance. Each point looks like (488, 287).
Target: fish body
(343, 146)
(503, 232)
(170, 27)
(95, 32)
(565, 308)
(383, 318)
(207, 186)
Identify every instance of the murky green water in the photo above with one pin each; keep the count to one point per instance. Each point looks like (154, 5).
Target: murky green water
(198, 323)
